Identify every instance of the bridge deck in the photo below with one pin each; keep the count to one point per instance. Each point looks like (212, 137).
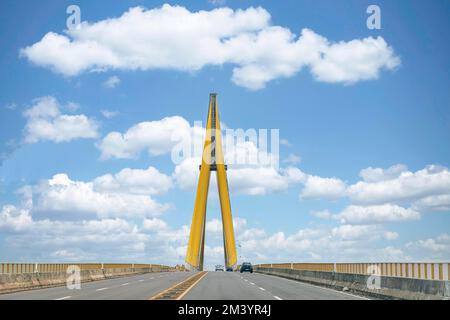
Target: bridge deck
(214, 286)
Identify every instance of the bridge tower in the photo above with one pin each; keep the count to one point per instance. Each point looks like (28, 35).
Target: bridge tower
(212, 160)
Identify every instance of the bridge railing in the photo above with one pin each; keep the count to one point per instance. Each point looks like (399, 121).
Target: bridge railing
(417, 270)
(16, 268)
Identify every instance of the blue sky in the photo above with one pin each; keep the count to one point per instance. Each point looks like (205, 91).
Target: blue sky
(337, 122)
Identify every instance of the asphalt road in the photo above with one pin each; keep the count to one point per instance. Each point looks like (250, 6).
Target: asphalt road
(139, 287)
(214, 286)
(238, 286)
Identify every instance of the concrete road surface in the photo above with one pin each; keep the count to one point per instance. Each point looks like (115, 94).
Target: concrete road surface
(214, 286)
(238, 286)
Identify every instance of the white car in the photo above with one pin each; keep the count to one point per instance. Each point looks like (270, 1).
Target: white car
(219, 267)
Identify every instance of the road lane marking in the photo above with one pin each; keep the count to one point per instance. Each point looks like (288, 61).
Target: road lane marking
(252, 283)
(125, 284)
(142, 280)
(278, 298)
(101, 289)
(174, 292)
(193, 285)
(152, 278)
(316, 286)
(64, 298)
(262, 289)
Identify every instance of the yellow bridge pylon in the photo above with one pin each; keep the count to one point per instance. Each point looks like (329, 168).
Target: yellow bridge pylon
(212, 160)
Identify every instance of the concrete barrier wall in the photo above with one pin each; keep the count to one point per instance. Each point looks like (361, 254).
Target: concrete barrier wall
(390, 287)
(12, 282)
(13, 268)
(414, 270)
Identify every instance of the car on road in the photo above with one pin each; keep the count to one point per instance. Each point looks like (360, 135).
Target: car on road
(229, 269)
(219, 267)
(246, 266)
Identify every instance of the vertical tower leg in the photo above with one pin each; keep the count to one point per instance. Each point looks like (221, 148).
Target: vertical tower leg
(225, 205)
(195, 250)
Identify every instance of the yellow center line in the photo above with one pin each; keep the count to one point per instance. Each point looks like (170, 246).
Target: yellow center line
(179, 284)
(192, 286)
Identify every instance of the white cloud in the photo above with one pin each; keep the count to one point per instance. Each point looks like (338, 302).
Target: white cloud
(316, 187)
(13, 218)
(379, 174)
(111, 82)
(250, 180)
(63, 195)
(376, 214)
(109, 114)
(93, 240)
(292, 159)
(351, 232)
(322, 214)
(257, 181)
(172, 37)
(390, 235)
(46, 123)
(433, 203)
(135, 181)
(408, 186)
(156, 137)
(154, 224)
(432, 248)
(214, 226)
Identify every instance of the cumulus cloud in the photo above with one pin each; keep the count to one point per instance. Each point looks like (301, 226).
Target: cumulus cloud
(121, 196)
(433, 203)
(341, 243)
(109, 114)
(250, 180)
(86, 240)
(111, 82)
(45, 122)
(250, 169)
(316, 187)
(379, 174)
(16, 219)
(292, 159)
(174, 38)
(431, 249)
(354, 232)
(433, 180)
(381, 192)
(376, 214)
(156, 137)
(135, 181)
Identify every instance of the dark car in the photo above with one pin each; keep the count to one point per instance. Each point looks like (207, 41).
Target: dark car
(246, 266)
(229, 269)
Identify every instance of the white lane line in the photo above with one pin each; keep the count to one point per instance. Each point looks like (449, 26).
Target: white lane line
(262, 289)
(142, 280)
(125, 284)
(278, 298)
(152, 278)
(318, 287)
(252, 283)
(101, 289)
(64, 298)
